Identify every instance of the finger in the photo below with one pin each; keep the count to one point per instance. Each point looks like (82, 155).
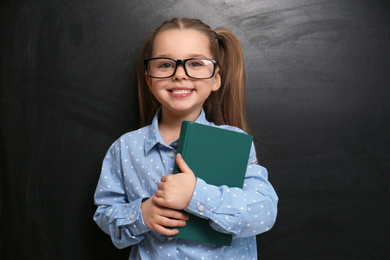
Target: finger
(159, 199)
(182, 164)
(163, 178)
(170, 213)
(167, 222)
(159, 195)
(160, 186)
(164, 224)
(166, 231)
(175, 214)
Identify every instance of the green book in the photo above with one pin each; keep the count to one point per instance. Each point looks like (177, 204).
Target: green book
(219, 157)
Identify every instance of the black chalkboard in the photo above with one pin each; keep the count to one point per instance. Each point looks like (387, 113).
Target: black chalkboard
(318, 89)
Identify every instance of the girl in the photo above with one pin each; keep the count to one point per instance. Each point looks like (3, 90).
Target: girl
(187, 71)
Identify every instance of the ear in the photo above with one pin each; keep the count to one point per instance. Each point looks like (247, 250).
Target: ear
(217, 80)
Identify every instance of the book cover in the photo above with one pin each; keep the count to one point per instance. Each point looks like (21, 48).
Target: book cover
(219, 157)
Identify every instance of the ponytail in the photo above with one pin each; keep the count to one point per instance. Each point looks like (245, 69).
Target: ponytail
(228, 105)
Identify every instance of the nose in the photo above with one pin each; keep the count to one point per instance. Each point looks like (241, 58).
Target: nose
(180, 73)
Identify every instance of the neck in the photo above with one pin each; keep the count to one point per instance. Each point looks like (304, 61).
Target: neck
(170, 125)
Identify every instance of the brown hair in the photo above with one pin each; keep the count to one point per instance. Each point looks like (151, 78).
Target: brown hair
(225, 106)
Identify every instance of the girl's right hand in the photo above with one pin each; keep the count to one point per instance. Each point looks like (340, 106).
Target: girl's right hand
(158, 218)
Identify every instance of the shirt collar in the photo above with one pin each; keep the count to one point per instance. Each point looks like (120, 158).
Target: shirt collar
(202, 118)
(153, 138)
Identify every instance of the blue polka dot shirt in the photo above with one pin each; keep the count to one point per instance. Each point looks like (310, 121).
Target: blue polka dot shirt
(131, 171)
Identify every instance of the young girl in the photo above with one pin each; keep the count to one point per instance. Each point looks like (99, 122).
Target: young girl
(187, 71)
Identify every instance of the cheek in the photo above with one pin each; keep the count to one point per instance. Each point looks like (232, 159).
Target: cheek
(152, 85)
(156, 86)
(151, 82)
(212, 85)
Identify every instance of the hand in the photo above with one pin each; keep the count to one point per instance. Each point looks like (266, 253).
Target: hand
(175, 190)
(157, 218)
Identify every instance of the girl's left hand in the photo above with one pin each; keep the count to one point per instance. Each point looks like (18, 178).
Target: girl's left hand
(175, 190)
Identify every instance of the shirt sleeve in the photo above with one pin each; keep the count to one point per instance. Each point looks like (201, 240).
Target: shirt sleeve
(115, 215)
(241, 212)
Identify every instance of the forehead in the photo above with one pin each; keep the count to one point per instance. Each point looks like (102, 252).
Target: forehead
(181, 44)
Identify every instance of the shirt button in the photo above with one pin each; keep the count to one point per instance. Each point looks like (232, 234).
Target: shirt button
(131, 216)
(201, 208)
(171, 154)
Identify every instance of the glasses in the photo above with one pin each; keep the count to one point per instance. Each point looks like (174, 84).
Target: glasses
(196, 68)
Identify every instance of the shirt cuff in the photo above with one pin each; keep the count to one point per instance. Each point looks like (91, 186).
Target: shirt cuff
(134, 220)
(204, 199)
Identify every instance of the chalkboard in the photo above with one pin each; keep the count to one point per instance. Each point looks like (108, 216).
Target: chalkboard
(318, 89)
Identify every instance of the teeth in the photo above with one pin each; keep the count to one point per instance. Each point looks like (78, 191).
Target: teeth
(181, 91)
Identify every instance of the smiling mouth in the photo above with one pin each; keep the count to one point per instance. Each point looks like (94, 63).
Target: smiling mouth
(181, 91)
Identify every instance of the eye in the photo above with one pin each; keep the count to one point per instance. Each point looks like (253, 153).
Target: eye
(166, 65)
(196, 63)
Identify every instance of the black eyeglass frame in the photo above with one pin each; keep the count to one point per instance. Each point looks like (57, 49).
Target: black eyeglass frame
(180, 62)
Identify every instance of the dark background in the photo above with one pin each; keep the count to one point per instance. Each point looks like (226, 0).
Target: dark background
(318, 94)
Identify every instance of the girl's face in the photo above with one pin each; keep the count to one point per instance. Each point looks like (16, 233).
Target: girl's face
(180, 95)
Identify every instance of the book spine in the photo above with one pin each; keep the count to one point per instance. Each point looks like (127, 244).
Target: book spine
(183, 140)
